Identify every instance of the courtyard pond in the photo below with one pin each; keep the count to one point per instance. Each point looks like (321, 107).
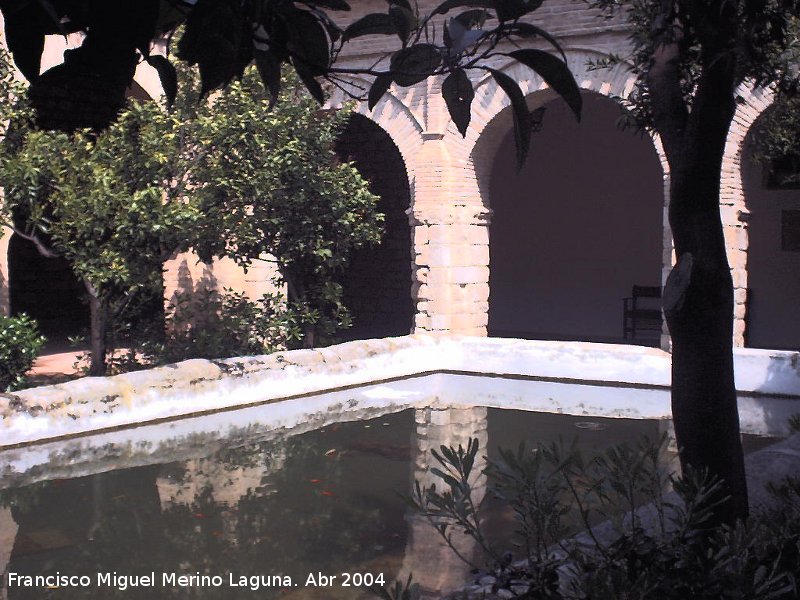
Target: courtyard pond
(196, 509)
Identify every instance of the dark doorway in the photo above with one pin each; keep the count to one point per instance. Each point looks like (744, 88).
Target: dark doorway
(377, 282)
(47, 290)
(575, 229)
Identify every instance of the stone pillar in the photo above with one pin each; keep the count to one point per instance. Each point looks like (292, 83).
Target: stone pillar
(733, 204)
(5, 289)
(734, 213)
(450, 231)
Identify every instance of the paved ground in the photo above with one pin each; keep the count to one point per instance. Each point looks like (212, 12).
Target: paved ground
(55, 365)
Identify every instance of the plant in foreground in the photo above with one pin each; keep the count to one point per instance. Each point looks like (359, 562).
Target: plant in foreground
(669, 550)
(20, 344)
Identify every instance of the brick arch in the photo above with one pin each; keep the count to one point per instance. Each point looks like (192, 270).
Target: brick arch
(394, 117)
(491, 106)
(377, 281)
(751, 105)
(492, 121)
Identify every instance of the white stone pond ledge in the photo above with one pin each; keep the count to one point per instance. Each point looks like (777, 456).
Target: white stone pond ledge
(770, 381)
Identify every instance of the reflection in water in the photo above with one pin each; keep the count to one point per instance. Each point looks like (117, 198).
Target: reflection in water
(8, 533)
(425, 547)
(324, 501)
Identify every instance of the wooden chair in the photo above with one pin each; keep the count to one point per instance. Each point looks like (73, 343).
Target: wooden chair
(641, 312)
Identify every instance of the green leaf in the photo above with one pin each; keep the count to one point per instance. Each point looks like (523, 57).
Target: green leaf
(166, 74)
(308, 41)
(378, 88)
(403, 20)
(371, 24)
(473, 18)
(448, 479)
(212, 41)
(555, 73)
(449, 5)
(519, 109)
(458, 38)
(458, 94)
(330, 4)
(307, 77)
(269, 68)
(510, 10)
(25, 38)
(530, 30)
(412, 65)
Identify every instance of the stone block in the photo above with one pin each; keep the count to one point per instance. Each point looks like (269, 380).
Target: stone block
(739, 311)
(738, 329)
(440, 255)
(739, 278)
(458, 234)
(469, 274)
(735, 238)
(470, 292)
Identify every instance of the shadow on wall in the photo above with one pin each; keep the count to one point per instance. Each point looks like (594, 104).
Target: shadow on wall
(47, 290)
(575, 228)
(193, 287)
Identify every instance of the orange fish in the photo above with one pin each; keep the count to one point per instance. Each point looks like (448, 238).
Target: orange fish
(327, 493)
(315, 480)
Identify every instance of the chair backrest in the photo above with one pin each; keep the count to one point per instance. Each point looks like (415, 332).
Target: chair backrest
(646, 291)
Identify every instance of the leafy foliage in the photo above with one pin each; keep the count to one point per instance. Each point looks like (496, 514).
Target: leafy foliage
(211, 325)
(230, 177)
(273, 186)
(677, 555)
(223, 37)
(113, 204)
(20, 344)
(763, 43)
(400, 591)
(777, 137)
(105, 209)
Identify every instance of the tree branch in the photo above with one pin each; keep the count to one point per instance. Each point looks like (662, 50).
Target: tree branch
(43, 250)
(663, 79)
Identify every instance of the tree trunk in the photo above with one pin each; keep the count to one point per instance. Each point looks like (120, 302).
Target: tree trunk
(296, 293)
(97, 335)
(698, 296)
(698, 303)
(704, 406)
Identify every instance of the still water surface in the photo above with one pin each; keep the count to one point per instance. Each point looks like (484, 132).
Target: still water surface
(293, 500)
(264, 518)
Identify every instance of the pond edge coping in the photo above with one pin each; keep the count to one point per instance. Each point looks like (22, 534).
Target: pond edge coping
(201, 386)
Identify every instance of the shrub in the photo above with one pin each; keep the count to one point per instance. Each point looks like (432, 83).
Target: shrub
(211, 324)
(675, 556)
(20, 344)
